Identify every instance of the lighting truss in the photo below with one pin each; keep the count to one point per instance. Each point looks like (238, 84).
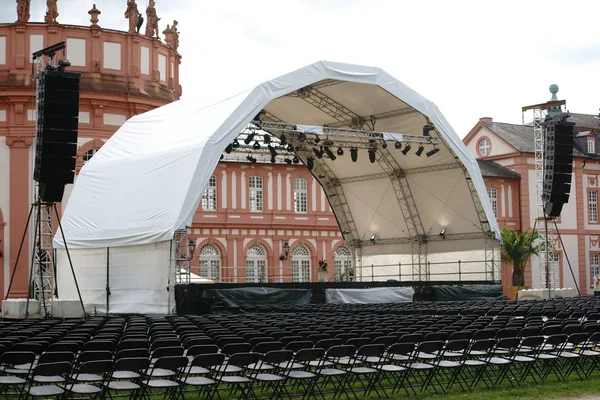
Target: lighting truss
(428, 239)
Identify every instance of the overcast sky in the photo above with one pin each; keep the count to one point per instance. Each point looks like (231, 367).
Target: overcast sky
(472, 58)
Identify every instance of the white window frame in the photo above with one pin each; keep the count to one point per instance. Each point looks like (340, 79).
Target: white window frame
(484, 146)
(343, 265)
(255, 184)
(87, 156)
(209, 258)
(493, 195)
(256, 264)
(301, 270)
(593, 207)
(591, 146)
(300, 195)
(209, 196)
(594, 268)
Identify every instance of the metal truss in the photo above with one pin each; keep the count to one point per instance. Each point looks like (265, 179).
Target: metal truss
(409, 171)
(380, 116)
(182, 257)
(44, 257)
(429, 239)
(492, 257)
(385, 160)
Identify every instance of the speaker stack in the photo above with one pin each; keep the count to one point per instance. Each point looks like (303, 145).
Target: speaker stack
(57, 125)
(558, 164)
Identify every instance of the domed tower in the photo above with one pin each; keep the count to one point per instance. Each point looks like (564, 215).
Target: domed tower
(122, 74)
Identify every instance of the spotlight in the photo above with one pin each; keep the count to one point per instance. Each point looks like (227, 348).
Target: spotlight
(221, 157)
(443, 233)
(290, 148)
(282, 140)
(267, 138)
(302, 137)
(272, 150)
(256, 145)
(310, 163)
(330, 154)
(420, 150)
(251, 159)
(236, 144)
(296, 160)
(354, 154)
(397, 145)
(340, 151)
(229, 148)
(406, 149)
(249, 137)
(317, 139)
(384, 145)
(426, 129)
(273, 159)
(432, 152)
(288, 161)
(373, 237)
(318, 153)
(372, 155)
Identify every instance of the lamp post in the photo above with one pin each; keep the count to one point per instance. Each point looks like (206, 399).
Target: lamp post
(286, 252)
(191, 248)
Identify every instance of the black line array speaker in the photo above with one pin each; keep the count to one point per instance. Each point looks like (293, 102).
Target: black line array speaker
(558, 165)
(57, 125)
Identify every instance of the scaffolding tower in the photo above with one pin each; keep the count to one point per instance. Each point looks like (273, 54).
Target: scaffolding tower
(182, 257)
(546, 251)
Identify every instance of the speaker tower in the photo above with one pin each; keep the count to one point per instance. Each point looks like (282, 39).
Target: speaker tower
(558, 169)
(57, 126)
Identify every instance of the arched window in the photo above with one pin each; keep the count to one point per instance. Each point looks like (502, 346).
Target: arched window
(342, 265)
(493, 195)
(256, 193)
(87, 156)
(484, 146)
(209, 197)
(210, 261)
(300, 195)
(256, 264)
(300, 264)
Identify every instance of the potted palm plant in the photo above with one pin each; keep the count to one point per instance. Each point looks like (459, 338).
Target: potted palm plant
(322, 271)
(517, 249)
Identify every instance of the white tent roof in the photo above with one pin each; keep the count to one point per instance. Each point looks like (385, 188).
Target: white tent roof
(147, 180)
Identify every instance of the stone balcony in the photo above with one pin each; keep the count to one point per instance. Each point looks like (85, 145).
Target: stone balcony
(110, 61)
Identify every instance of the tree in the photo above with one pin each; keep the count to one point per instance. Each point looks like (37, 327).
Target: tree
(517, 248)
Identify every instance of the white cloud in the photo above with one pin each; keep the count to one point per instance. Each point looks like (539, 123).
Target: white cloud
(472, 58)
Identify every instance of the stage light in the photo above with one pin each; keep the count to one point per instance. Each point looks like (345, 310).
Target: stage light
(397, 145)
(267, 138)
(432, 152)
(354, 154)
(229, 148)
(443, 233)
(256, 145)
(302, 137)
(249, 137)
(273, 160)
(236, 144)
(406, 149)
(296, 160)
(272, 150)
(426, 129)
(420, 150)
(290, 148)
(288, 161)
(373, 238)
(372, 155)
(251, 159)
(317, 139)
(340, 151)
(330, 154)
(318, 153)
(283, 140)
(221, 157)
(384, 145)
(310, 163)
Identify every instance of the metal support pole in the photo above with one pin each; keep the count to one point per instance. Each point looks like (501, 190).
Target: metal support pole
(567, 257)
(107, 279)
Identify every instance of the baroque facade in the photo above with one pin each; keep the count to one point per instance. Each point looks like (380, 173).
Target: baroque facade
(122, 74)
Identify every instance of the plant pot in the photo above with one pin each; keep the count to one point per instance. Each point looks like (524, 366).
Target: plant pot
(514, 290)
(322, 276)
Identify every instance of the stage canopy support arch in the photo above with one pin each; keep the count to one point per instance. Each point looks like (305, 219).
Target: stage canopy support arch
(398, 178)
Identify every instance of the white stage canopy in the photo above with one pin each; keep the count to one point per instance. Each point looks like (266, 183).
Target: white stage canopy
(147, 180)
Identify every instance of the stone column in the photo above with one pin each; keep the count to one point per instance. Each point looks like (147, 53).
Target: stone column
(19, 209)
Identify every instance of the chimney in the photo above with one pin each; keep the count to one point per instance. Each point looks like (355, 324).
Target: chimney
(486, 119)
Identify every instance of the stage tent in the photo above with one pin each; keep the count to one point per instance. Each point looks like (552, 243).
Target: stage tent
(146, 182)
